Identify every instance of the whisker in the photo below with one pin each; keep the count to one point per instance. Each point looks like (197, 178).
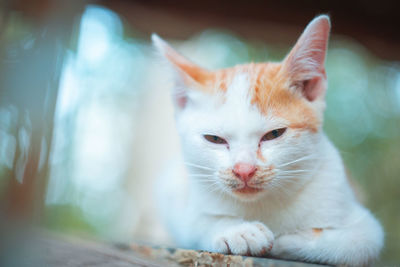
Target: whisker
(200, 175)
(205, 179)
(209, 184)
(296, 160)
(198, 166)
(275, 187)
(212, 187)
(294, 171)
(288, 178)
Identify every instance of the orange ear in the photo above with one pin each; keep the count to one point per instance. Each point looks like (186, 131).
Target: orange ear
(189, 71)
(305, 64)
(189, 75)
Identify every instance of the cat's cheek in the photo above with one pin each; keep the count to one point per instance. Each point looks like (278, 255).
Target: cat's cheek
(221, 159)
(266, 155)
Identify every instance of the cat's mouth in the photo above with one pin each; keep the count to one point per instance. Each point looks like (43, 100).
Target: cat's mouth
(248, 187)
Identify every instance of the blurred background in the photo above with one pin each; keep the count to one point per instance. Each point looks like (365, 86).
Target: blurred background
(85, 117)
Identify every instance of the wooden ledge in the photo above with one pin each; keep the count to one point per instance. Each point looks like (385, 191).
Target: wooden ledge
(68, 251)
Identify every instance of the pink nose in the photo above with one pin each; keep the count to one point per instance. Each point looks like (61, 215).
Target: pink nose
(244, 171)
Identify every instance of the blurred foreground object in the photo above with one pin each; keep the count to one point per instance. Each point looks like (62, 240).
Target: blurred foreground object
(34, 35)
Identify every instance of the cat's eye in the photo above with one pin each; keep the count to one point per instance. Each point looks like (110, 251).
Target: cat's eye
(215, 139)
(273, 134)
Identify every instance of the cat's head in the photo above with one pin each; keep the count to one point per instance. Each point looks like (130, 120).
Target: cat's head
(254, 128)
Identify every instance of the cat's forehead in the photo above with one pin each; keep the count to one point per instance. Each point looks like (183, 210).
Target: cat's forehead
(233, 113)
(257, 81)
(265, 87)
(256, 74)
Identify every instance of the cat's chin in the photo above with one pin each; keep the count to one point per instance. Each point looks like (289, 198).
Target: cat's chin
(248, 193)
(247, 190)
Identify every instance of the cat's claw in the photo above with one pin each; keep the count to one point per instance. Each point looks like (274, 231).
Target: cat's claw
(249, 238)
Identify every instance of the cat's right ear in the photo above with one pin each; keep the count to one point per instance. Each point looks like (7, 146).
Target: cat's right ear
(188, 76)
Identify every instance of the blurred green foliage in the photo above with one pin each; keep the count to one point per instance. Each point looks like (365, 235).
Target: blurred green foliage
(67, 219)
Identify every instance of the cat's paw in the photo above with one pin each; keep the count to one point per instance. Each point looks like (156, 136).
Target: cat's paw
(249, 238)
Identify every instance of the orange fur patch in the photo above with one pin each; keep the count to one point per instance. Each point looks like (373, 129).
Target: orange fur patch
(317, 231)
(260, 155)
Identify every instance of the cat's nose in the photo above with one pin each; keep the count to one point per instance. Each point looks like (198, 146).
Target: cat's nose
(244, 171)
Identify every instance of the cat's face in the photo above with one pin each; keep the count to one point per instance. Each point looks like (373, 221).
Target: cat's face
(253, 129)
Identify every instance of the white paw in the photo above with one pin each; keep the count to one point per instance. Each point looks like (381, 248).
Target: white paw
(249, 238)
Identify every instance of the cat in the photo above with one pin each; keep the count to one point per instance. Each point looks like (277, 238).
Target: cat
(260, 177)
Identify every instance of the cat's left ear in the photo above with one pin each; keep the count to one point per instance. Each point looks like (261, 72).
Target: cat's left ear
(305, 64)
(188, 77)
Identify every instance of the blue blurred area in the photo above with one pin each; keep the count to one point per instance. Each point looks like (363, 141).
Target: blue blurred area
(107, 77)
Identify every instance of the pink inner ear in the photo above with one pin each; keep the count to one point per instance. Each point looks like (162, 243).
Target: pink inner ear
(179, 94)
(305, 63)
(181, 101)
(312, 88)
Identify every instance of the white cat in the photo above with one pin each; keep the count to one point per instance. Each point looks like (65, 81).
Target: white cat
(260, 176)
